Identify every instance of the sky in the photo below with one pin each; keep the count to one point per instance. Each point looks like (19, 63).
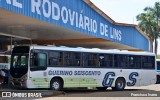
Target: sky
(125, 11)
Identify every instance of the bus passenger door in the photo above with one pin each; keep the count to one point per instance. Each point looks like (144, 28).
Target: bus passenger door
(38, 70)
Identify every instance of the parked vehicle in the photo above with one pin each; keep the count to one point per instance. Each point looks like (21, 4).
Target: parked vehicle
(63, 67)
(158, 71)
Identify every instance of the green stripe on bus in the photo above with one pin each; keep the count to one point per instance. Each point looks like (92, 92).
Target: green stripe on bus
(68, 82)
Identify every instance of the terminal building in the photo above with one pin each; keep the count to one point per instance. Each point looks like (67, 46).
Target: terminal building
(73, 23)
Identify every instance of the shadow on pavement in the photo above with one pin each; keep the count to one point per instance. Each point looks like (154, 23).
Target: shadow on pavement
(79, 92)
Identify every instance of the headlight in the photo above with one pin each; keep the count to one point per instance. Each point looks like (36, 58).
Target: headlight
(24, 77)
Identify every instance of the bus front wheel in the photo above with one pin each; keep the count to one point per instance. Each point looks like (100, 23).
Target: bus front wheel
(119, 84)
(56, 84)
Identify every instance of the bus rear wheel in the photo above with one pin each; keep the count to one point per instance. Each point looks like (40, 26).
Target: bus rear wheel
(56, 84)
(119, 84)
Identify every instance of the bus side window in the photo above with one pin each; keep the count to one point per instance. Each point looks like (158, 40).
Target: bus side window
(109, 60)
(158, 65)
(76, 59)
(152, 60)
(3, 59)
(148, 62)
(85, 59)
(34, 59)
(67, 58)
(92, 60)
(72, 59)
(38, 61)
(55, 58)
(131, 62)
(123, 61)
(42, 58)
(116, 61)
(134, 62)
(105, 60)
(102, 61)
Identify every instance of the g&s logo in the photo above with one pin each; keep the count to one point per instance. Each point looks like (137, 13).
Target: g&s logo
(110, 77)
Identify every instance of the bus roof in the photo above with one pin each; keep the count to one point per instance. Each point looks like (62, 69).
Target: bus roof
(93, 50)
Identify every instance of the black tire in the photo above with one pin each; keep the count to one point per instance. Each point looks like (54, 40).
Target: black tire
(102, 88)
(119, 84)
(113, 88)
(158, 80)
(56, 84)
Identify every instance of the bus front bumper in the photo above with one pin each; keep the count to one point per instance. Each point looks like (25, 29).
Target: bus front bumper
(18, 83)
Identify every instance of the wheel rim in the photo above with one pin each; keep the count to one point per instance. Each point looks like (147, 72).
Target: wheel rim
(56, 85)
(120, 84)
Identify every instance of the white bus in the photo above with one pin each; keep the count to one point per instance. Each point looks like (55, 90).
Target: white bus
(5, 61)
(63, 67)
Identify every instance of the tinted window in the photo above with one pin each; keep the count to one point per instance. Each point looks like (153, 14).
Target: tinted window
(55, 58)
(123, 61)
(120, 61)
(148, 62)
(134, 62)
(39, 59)
(20, 61)
(72, 59)
(4, 59)
(90, 59)
(102, 61)
(105, 60)
(42, 58)
(116, 61)
(158, 65)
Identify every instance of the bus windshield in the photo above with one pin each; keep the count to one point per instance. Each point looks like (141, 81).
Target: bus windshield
(20, 61)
